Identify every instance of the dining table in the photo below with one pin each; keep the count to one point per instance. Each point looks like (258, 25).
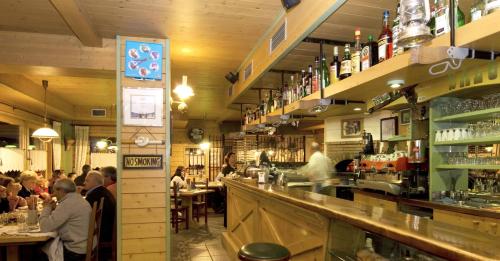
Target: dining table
(12, 239)
(187, 199)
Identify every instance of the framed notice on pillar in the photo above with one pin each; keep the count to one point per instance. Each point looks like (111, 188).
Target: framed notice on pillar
(143, 161)
(143, 107)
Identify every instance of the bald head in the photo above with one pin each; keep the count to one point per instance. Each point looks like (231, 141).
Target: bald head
(93, 179)
(315, 146)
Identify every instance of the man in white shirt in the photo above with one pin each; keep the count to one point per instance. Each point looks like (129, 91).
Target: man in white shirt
(319, 167)
(70, 219)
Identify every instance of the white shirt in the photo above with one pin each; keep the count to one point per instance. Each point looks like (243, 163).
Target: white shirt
(178, 180)
(318, 168)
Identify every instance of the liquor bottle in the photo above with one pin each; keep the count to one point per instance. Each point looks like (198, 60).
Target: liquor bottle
(356, 54)
(309, 80)
(477, 10)
(369, 54)
(303, 85)
(385, 40)
(395, 33)
(316, 76)
(335, 66)
(263, 107)
(442, 16)
(432, 21)
(325, 73)
(295, 88)
(346, 64)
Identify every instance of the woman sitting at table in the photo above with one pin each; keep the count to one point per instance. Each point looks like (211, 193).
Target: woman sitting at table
(28, 181)
(15, 201)
(178, 178)
(229, 166)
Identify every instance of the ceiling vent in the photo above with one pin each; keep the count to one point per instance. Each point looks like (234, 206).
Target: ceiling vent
(249, 70)
(98, 112)
(278, 37)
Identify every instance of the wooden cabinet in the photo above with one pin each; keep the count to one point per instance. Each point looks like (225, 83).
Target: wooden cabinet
(481, 224)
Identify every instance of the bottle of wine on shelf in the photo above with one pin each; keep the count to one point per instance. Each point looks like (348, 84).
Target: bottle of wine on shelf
(335, 66)
(296, 88)
(346, 64)
(325, 73)
(270, 102)
(369, 54)
(397, 50)
(442, 16)
(385, 40)
(285, 94)
(316, 76)
(303, 85)
(356, 53)
(309, 81)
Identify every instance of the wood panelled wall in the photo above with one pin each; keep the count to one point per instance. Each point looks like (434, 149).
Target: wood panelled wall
(142, 206)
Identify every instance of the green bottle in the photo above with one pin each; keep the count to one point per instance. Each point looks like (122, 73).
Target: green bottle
(325, 73)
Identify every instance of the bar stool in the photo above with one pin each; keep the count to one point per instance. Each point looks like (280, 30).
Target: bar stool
(262, 251)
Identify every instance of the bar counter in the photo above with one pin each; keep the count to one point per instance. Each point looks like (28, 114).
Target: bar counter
(263, 212)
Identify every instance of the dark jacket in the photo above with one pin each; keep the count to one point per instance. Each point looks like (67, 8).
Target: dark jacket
(4, 205)
(108, 211)
(24, 192)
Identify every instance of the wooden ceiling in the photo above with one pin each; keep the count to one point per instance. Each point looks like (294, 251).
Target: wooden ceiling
(208, 39)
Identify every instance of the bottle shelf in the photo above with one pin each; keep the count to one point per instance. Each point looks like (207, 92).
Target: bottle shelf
(478, 141)
(470, 116)
(468, 166)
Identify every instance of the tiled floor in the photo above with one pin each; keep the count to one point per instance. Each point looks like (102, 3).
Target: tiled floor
(200, 243)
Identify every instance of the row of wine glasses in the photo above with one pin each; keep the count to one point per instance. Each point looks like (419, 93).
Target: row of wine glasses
(470, 105)
(489, 128)
(463, 158)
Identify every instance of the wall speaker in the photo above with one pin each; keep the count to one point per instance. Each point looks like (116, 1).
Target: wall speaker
(232, 78)
(287, 4)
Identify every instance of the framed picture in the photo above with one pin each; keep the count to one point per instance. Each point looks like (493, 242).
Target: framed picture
(351, 128)
(405, 116)
(143, 60)
(143, 106)
(388, 128)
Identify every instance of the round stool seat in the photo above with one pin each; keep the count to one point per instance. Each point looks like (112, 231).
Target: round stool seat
(263, 251)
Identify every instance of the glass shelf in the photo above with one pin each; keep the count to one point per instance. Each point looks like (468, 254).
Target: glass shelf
(469, 116)
(468, 166)
(478, 141)
(398, 138)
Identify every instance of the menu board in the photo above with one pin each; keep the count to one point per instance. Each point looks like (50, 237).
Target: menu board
(143, 60)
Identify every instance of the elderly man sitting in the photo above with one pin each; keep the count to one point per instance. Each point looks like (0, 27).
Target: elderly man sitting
(70, 219)
(94, 184)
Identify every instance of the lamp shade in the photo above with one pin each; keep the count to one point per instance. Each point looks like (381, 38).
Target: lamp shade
(45, 134)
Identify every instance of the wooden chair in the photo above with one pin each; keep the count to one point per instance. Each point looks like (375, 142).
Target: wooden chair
(175, 209)
(201, 202)
(111, 245)
(94, 232)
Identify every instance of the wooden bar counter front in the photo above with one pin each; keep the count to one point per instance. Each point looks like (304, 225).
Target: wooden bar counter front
(318, 227)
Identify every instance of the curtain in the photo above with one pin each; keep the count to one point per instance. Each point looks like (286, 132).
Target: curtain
(81, 146)
(11, 159)
(37, 159)
(56, 146)
(102, 160)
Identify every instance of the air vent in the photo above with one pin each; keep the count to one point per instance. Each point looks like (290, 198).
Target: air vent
(98, 112)
(249, 70)
(277, 38)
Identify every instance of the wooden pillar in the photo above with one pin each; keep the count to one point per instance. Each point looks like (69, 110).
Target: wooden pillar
(143, 198)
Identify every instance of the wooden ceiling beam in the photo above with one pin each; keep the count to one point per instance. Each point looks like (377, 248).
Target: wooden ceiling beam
(29, 94)
(78, 22)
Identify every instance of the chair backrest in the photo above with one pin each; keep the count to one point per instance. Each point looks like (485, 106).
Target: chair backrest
(204, 196)
(94, 231)
(175, 196)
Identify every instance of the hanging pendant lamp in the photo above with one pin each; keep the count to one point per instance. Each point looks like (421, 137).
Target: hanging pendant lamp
(45, 134)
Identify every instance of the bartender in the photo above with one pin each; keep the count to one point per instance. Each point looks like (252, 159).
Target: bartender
(318, 169)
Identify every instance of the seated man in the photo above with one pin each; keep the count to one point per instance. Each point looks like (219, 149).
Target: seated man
(109, 174)
(70, 219)
(94, 184)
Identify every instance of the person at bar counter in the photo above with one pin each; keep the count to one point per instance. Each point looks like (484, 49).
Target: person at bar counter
(109, 174)
(318, 169)
(229, 166)
(70, 219)
(94, 185)
(178, 178)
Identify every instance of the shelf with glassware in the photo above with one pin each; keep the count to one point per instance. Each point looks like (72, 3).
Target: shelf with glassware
(455, 125)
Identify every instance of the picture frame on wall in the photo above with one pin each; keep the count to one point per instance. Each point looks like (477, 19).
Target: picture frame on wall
(143, 60)
(143, 107)
(388, 128)
(351, 128)
(405, 117)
